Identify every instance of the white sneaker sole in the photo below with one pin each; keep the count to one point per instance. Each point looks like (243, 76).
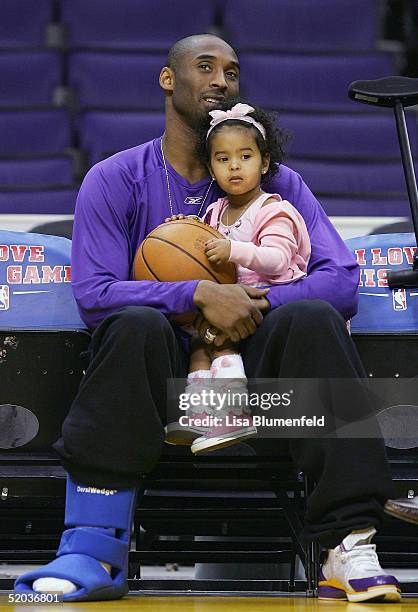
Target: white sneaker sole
(222, 441)
(390, 594)
(177, 435)
(386, 593)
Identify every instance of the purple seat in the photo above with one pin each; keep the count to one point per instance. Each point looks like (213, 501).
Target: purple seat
(38, 201)
(352, 177)
(365, 206)
(105, 133)
(354, 135)
(28, 78)
(308, 82)
(117, 80)
(134, 24)
(22, 22)
(299, 25)
(33, 131)
(43, 171)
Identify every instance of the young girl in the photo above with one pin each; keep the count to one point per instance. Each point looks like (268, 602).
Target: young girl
(265, 237)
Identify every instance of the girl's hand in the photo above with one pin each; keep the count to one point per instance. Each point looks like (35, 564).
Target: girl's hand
(218, 251)
(174, 218)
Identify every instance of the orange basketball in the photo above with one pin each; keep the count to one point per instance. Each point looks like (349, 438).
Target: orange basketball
(175, 251)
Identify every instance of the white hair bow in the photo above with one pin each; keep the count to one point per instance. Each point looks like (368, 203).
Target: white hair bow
(238, 112)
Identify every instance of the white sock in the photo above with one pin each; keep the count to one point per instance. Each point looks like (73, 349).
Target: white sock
(197, 380)
(228, 366)
(199, 374)
(46, 585)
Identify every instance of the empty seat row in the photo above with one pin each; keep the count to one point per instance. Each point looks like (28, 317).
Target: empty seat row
(277, 25)
(370, 205)
(43, 171)
(137, 24)
(358, 136)
(101, 133)
(294, 82)
(357, 177)
(38, 201)
(23, 22)
(341, 136)
(343, 178)
(314, 82)
(29, 78)
(28, 131)
(303, 25)
(130, 80)
(341, 154)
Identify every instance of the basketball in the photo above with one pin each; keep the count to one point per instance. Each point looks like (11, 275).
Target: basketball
(175, 251)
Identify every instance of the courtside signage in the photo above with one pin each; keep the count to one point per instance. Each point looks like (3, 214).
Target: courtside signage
(35, 282)
(382, 309)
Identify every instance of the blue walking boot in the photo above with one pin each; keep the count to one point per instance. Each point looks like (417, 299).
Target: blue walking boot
(106, 517)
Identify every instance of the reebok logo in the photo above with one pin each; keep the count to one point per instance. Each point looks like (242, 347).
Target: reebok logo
(193, 200)
(94, 490)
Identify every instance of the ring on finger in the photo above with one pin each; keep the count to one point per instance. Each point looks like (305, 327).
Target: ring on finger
(209, 336)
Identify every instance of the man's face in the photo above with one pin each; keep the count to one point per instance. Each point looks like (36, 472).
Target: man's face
(206, 76)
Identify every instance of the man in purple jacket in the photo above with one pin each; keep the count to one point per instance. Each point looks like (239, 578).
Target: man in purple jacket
(114, 432)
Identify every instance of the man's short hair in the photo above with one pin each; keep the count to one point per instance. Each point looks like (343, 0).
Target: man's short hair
(182, 46)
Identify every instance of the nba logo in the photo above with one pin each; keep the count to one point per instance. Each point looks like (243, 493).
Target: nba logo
(399, 299)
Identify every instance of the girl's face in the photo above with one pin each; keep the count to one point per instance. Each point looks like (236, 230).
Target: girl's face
(235, 160)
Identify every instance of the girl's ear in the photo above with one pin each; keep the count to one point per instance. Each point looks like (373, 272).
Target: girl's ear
(265, 163)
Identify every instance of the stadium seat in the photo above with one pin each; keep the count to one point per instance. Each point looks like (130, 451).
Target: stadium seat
(27, 132)
(352, 177)
(62, 228)
(348, 135)
(134, 24)
(289, 26)
(105, 133)
(117, 80)
(22, 22)
(308, 82)
(30, 201)
(366, 206)
(43, 171)
(28, 78)
(400, 227)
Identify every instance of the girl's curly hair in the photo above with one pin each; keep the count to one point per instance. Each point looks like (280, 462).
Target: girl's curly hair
(274, 143)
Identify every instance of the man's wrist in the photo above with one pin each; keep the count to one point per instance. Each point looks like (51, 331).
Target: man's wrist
(200, 292)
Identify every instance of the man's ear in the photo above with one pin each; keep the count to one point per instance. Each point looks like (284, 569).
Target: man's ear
(167, 79)
(265, 163)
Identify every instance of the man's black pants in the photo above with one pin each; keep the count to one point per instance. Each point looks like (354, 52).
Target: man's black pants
(114, 431)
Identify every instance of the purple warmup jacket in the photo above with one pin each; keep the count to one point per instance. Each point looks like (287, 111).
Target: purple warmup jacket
(125, 196)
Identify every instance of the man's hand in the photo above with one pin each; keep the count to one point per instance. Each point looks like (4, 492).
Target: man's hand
(201, 326)
(234, 310)
(218, 251)
(262, 302)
